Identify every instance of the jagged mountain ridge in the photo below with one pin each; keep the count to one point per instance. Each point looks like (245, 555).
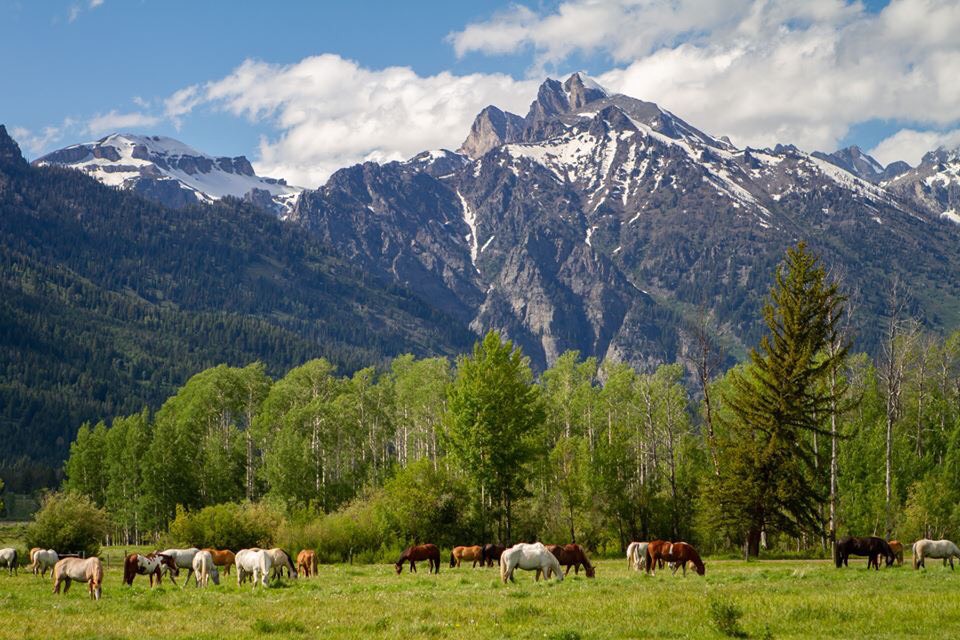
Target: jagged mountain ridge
(172, 173)
(602, 223)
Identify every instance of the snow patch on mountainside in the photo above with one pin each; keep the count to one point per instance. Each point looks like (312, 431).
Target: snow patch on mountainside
(121, 160)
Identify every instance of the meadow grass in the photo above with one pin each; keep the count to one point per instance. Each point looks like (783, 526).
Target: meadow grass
(765, 599)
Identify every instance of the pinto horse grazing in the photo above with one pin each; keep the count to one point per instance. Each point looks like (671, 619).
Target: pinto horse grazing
(87, 570)
(871, 546)
(8, 559)
(492, 553)
(530, 557)
(572, 556)
(307, 563)
(637, 555)
(676, 553)
(152, 564)
(222, 558)
(897, 548)
(428, 552)
(923, 549)
(474, 553)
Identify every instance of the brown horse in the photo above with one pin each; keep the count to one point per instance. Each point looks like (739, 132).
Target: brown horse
(89, 570)
(897, 548)
(679, 553)
(222, 558)
(572, 556)
(428, 552)
(492, 553)
(459, 554)
(307, 563)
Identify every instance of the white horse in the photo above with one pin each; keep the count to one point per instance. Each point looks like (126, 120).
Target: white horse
(8, 559)
(183, 558)
(204, 569)
(44, 559)
(281, 560)
(923, 549)
(531, 557)
(87, 570)
(253, 562)
(637, 555)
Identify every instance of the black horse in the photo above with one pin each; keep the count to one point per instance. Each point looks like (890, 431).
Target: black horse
(872, 547)
(492, 553)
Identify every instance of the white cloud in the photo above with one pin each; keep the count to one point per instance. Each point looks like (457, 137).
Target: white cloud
(114, 121)
(331, 112)
(36, 143)
(77, 9)
(910, 145)
(761, 71)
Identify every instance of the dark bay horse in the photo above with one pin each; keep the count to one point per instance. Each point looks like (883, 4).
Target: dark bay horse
(428, 552)
(679, 553)
(492, 553)
(872, 547)
(573, 557)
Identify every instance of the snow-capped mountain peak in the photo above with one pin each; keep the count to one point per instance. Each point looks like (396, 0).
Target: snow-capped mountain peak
(172, 172)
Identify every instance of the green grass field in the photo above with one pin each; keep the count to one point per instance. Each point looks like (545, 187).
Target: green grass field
(778, 599)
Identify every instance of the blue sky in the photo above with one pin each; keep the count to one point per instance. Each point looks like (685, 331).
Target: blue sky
(234, 78)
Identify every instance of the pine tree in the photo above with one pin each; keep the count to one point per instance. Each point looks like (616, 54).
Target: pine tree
(768, 478)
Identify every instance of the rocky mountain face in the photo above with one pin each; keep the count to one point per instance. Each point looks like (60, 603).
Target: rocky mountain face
(109, 302)
(172, 173)
(598, 222)
(934, 185)
(606, 224)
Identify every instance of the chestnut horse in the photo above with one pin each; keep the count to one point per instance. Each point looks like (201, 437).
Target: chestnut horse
(428, 552)
(474, 553)
(572, 556)
(307, 563)
(222, 558)
(679, 553)
(897, 548)
(492, 553)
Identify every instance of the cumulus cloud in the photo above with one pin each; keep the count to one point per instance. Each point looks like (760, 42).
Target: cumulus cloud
(910, 145)
(330, 112)
(761, 71)
(115, 121)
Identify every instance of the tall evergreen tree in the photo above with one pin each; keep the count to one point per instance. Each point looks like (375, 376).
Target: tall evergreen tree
(767, 476)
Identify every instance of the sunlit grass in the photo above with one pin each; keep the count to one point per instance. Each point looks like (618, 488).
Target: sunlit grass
(780, 599)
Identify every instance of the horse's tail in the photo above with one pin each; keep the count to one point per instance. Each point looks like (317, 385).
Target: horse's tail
(453, 561)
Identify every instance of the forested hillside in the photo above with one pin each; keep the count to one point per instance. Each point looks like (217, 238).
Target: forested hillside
(109, 302)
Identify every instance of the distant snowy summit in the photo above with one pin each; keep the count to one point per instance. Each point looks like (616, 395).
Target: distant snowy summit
(173, 173)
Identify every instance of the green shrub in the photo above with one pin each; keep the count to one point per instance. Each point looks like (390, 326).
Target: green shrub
(68, 522)
(226, 526)
(726, 616)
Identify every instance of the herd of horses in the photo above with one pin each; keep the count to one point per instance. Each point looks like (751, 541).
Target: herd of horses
(261, 565)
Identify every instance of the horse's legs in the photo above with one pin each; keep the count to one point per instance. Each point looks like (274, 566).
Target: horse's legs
(66, 585)
(413, 566)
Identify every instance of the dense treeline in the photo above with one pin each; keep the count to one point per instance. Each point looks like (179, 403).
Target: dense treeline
(108, 302)
(797, 445)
